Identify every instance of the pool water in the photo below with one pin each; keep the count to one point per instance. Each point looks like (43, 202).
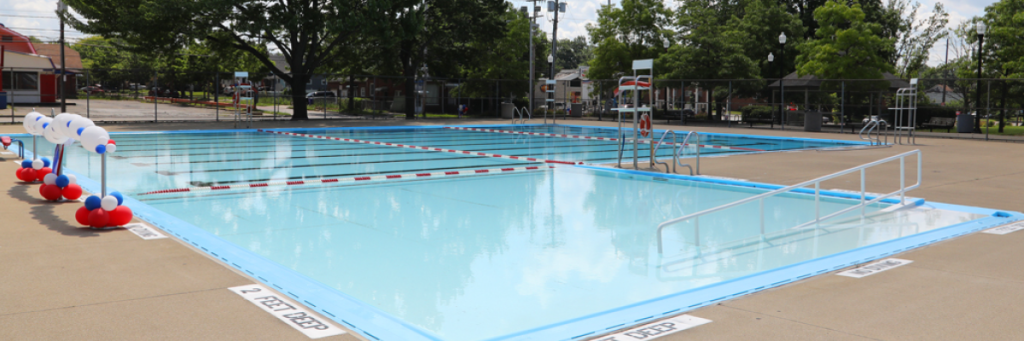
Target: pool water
(482, 257)
(485, 256)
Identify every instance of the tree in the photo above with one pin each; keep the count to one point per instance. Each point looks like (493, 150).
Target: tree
(913, 38)
(572, 53)
(636, 30)
(307, 32)
(845, 46)
(760, 26)
(443, 35)
(709, 49)
(1003, 40)
(508, 58)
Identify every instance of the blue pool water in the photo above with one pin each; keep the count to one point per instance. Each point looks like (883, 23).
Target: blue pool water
(491, 256)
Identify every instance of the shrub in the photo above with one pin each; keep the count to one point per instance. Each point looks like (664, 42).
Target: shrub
(757, 112)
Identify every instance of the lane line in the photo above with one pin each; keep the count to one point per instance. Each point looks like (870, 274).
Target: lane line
(322, 181)
(584, 137)
(399, 145)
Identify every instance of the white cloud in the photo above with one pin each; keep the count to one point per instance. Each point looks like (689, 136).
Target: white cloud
(21, 16)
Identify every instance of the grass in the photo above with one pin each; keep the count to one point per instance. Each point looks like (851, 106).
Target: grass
(1008, 130)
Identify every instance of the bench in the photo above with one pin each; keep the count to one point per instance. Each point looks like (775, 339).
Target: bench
(758, 120)
(939, 122)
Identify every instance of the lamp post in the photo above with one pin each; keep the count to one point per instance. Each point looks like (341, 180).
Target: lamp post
(63, 8)
(771, 59)
(980, 27)
(782, 88)
(423, 91)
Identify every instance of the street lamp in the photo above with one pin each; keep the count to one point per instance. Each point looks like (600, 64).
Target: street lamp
(782, 88)
(980, 27)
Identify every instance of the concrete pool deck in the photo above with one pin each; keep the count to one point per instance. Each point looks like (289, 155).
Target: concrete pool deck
(61, 282)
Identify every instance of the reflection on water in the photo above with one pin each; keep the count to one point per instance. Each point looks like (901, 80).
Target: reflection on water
(478, 257)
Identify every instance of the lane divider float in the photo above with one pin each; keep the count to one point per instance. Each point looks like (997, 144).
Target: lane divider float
(351, 179)
(454, 151)
(584, 137)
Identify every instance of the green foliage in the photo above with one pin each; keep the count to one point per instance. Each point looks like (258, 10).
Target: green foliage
(572, 53)
(637, 29)
(757, 112)
(759, 28)
(708, 50)
(846, 47)
(507, 58)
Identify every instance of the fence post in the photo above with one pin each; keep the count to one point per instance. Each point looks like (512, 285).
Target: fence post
(728, 105)
(216, 94)
(842, 108)
(988, 109)
(87, 97)
(156, 93)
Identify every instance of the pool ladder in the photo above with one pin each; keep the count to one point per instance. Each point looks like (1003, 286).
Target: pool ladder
(877, 126)
(520, 111)
(677, 150)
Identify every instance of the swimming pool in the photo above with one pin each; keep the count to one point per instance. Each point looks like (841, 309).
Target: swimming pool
(544, 254)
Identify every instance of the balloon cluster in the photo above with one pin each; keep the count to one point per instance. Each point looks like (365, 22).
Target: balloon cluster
(105, 212)
(60, 186)
(34, 170)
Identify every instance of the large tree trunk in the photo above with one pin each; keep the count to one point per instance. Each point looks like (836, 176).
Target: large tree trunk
(299, 98)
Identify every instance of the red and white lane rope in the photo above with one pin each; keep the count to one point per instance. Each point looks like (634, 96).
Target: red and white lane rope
(584, 137)
(454, 151)
(351, 179)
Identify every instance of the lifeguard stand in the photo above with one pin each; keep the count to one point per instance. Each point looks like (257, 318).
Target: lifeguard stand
(905, 113)
(635, 85)
(243, 88)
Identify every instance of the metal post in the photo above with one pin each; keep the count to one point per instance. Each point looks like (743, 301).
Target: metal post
(782, 87)
(87, 97)
(63, 72)
(728, 105)
(842, 108)
(34, 143)
(903, 181)
(156, 94)
(103, 175)
(862, 190)
(817, 202)
(216, 94)
(761, 204)
(636, 112)
(988, 109)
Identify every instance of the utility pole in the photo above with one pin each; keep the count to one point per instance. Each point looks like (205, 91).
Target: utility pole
(558, 7)
(63, 76)
(945, 65)
(533, 24)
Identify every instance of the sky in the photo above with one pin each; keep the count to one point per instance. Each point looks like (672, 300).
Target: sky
(36, 18)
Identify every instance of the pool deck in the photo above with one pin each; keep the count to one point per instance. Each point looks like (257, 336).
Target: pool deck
(61, 282)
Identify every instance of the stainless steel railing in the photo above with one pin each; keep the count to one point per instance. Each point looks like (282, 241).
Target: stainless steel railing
(864, 202)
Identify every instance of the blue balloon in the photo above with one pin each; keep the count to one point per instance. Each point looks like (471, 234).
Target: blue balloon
(26, 164)
(92, 202)
(79, 131)
(46, 162)
(100, 149)
(120, 198)
(63, 181)
(45, 125)
(39, 118)
(68, 125)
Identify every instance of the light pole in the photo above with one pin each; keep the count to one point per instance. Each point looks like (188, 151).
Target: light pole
(782, 88)
(771, 59)
(551, 92)
(980, 27)
(63, 8)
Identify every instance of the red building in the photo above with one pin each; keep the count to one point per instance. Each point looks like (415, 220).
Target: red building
(30, 71)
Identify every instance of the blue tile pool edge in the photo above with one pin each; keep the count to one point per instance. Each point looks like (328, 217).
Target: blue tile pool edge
(345, 310)
(375, 324)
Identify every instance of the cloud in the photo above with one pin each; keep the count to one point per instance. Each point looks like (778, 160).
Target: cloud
(21, 16)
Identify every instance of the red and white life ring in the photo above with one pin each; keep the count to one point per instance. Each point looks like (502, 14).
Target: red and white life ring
(645, 125)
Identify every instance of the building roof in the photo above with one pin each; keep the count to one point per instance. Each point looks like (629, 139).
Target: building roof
(811, 82)
(14, 41)
(73, 59)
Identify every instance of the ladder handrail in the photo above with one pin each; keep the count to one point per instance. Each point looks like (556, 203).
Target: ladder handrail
(654, 152)
(686, 142)
(817, 194)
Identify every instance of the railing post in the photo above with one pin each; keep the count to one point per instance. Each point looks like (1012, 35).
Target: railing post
(761, 203)
(698, 153)
(817, 203)
(903, 182)
(862, 190)
(696, 231)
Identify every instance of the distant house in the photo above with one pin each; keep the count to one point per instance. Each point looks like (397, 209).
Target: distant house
(935, 94)
(315, 83)
(30, 71)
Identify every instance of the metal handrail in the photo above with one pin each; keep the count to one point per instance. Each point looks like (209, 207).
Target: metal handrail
(870, 127)
(686, 142)
(21, 148)
(515, 111)
(817, 195)
(654, 152)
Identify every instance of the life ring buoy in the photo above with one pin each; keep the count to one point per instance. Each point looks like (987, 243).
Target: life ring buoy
(645, 125)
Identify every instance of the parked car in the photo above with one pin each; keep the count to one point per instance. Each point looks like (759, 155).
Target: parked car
(137, 87)
(320, 94)
(91, 89)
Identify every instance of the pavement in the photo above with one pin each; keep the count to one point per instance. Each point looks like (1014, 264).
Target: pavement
(62, 282)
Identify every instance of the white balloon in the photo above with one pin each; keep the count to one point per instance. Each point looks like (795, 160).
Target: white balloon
(62, 122)
(109, 203)
(50, 179)
(72, 179)
(37, 164)
(94, 136)
(41, 123)
(111, 148)
(79, 123)
(51, 134)
(30, 121)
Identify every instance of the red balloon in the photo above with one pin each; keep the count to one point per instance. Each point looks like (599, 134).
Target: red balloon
(18, 174)
(28, 175)
(98, 218)
(120, 216)
(50, 192)
(111, 142)
(42, 173)
(82, 216)
(72, 192)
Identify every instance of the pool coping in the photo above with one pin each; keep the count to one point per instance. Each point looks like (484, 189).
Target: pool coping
(353, 313)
